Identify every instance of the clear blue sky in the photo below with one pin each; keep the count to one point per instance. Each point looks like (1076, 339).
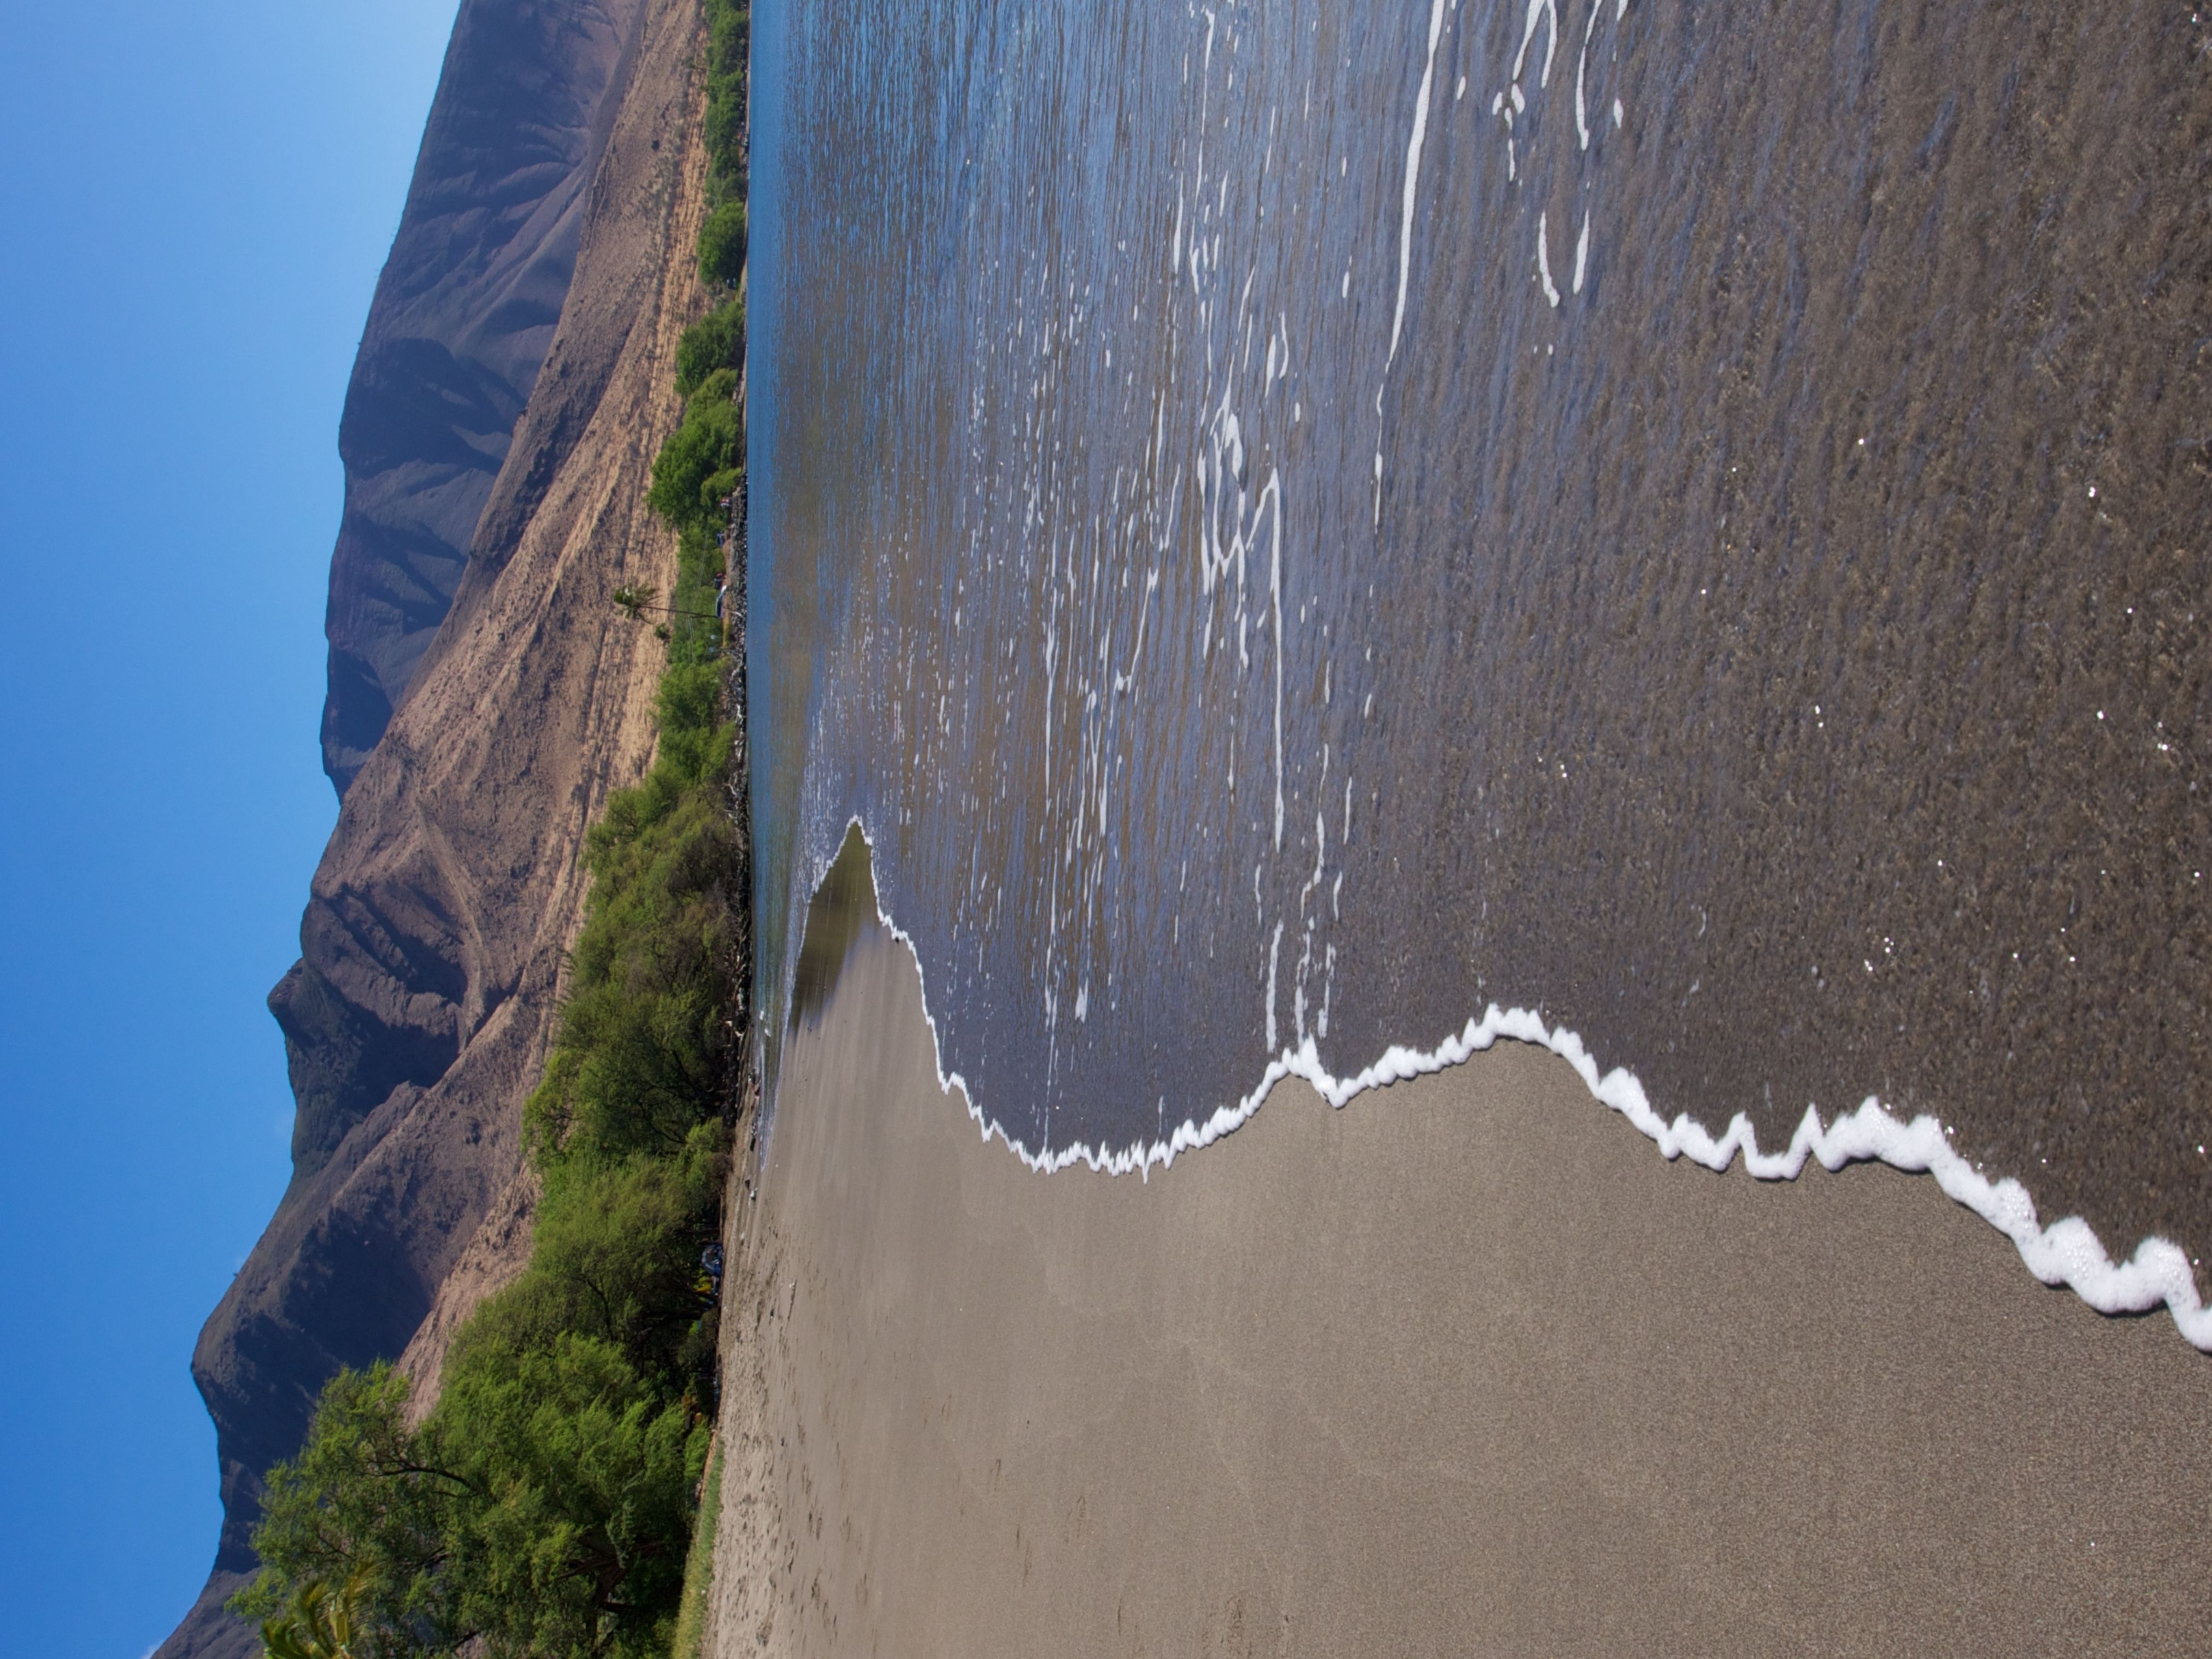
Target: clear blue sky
(195, 200)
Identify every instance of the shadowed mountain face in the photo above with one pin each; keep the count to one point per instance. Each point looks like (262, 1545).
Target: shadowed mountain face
(418, 1018)
(462, 319)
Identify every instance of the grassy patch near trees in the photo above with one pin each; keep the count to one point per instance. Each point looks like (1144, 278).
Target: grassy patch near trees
(549, 1504)
(699, 1568)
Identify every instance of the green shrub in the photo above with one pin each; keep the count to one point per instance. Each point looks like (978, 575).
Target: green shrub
(714, 342)
(696, 467)
(722, 245)
(616, 1257)
(691, 1638)
(643, 1045)
(700, 467)
(572, 1536)
(729, 39)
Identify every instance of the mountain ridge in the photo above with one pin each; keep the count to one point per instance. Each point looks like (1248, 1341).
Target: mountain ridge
(434, 941)
(463, 315)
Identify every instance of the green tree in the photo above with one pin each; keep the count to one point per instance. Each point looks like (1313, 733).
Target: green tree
(365, 1505)
(319, 1626)
(729, 35)
(577, 1552)
(697, 467)
(712, 342)
(722, 245)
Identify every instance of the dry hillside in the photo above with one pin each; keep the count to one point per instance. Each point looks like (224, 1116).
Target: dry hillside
(419, 1014)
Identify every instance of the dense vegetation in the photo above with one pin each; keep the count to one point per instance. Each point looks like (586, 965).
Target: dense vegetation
(546, 1505)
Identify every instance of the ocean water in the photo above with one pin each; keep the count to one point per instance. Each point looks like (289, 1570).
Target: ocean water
(1313, 537)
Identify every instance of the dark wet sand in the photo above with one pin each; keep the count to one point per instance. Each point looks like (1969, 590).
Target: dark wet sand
(1464, 1368)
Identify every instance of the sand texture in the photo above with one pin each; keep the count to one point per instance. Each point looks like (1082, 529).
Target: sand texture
(1466, 1367)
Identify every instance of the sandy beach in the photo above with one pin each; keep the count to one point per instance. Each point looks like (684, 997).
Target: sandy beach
(1464, 1367)
(1291, 526)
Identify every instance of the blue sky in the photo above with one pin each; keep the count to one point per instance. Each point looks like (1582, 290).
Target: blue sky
(195, 200)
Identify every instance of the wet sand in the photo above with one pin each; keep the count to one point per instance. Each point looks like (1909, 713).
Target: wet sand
(1465, 1367)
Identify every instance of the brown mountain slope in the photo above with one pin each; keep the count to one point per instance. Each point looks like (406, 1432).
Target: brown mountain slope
(418, 1015)
(465, 311)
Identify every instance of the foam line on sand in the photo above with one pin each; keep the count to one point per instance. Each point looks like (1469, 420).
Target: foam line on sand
(2067, 1252)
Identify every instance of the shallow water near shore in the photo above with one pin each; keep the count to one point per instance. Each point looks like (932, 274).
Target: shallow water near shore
(1291, 526)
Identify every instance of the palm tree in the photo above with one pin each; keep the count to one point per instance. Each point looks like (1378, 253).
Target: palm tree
(320, 1625)
(633, 599)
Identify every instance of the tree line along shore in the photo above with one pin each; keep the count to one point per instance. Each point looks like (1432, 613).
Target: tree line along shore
(558, 1497)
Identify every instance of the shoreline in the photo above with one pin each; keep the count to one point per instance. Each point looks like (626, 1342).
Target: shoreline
(1384, 1377)
(1672, 693)
(2066, 1253)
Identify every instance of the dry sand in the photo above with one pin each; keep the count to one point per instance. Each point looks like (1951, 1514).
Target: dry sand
(1464, 1368)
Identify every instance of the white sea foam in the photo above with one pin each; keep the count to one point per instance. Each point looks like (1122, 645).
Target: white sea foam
(2067, 1252)
(1582, 64)
(1540, 11)
(1412, 192)
(1414, 175)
